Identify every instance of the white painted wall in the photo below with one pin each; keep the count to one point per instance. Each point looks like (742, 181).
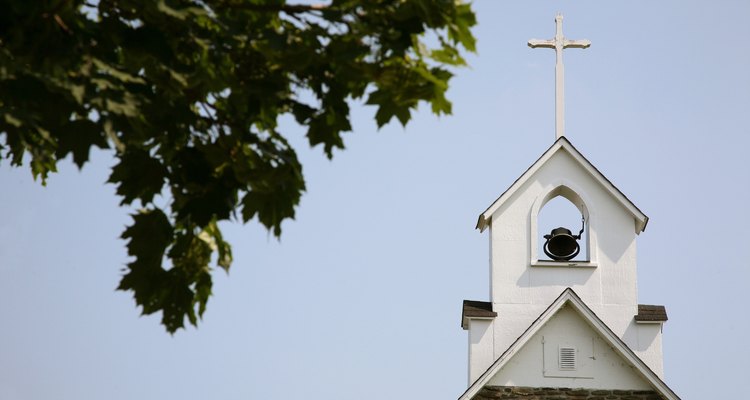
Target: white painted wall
(481, 347)
(599, 366)
(611, 231)
(521, 290)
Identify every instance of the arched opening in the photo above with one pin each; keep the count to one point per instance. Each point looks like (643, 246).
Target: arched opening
(559, 212)
(561, 207)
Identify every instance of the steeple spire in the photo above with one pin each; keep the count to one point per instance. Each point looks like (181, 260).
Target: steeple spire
(559, 42)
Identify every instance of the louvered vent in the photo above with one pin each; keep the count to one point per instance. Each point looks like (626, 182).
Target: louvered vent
(567, 358)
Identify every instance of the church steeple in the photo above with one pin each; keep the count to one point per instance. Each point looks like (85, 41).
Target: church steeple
(571, 322)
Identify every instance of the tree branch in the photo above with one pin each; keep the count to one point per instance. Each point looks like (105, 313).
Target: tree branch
(287, 8)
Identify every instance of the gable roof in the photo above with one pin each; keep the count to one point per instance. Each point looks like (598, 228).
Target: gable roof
(569, 297)
(563, 144)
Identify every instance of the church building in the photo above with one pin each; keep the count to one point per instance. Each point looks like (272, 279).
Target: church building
(563, 319)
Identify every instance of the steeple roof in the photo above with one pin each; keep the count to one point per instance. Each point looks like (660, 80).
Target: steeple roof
(563, 144)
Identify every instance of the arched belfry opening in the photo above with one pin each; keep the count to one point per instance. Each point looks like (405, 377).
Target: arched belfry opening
(561, 219)
(558, 213)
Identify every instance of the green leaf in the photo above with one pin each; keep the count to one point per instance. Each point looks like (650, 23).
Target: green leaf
(202, 187)
(77, 137)
(148, 239)
(460, 29)
(137, 176)
(202, 292)
(271, 208)
(190, 279)
(149, 236)
(113, 72)
(448, 55)
(212, 236)
(387, 108)
(177, 302)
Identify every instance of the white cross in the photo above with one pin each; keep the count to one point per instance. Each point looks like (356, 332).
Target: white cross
(559, 43)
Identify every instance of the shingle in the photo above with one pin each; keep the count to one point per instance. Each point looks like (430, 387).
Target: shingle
(476, 309)
(649, 313)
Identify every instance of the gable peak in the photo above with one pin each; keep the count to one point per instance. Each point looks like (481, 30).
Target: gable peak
(562, 144)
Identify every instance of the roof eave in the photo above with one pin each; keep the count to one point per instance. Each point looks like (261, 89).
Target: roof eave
(482, 223)
(476, 310)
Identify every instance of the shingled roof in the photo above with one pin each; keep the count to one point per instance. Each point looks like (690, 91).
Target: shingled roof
(651, 314)
(476, 309)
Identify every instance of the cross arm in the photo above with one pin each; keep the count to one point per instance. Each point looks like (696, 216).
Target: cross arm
(534, 43)
(579, 44)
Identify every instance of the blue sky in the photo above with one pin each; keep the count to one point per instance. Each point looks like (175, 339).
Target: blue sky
(361, 297)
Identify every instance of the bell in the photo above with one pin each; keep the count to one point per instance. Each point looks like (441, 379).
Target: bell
(561, 245)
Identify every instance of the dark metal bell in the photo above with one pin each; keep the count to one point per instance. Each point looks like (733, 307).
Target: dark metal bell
(561, 245)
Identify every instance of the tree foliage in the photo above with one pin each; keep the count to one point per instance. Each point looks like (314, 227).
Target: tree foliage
(188, 94)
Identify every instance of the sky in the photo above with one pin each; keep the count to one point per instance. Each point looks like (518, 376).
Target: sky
(361, 298)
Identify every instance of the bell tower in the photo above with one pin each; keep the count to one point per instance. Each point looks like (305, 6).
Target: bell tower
(593, 264)
(524, 282)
